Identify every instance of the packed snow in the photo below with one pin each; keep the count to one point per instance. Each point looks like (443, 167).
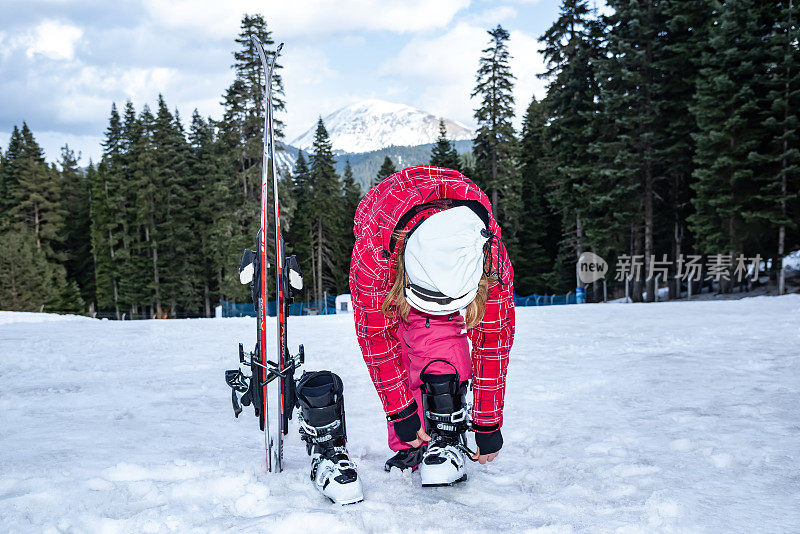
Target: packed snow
(668, 417)
(374, 124)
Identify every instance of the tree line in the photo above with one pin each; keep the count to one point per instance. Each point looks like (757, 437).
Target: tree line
(668, 127)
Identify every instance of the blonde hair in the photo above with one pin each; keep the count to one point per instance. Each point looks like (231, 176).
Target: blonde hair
(397, 299)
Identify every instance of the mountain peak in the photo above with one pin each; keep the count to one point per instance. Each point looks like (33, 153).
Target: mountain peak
(374, 124)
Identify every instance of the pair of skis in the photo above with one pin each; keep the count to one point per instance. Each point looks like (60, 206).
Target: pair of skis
(253, 389)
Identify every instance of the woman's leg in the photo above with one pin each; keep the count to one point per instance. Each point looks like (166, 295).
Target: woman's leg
(394, 442)
(453, 359)
(413, 384)
(444, 353)
(444, 376)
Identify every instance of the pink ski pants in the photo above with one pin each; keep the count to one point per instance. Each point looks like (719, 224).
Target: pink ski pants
(423, 340)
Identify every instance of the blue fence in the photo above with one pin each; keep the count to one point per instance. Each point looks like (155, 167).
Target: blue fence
(545, 300)
(317, 307)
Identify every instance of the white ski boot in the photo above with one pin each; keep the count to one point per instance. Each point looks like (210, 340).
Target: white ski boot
(334, 475)
(443, 463)
(322, 427)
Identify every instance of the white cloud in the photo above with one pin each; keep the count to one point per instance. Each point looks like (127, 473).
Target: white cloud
(53, 39)
(308, 81)
(492, 16)
(527, 62)
(51, 142)
(77, 97)
(87, 146)
(304, 65)
(353, 40)
(306, 17)
(438, 59)
(5, 46)
(86, 92)
(181, 48)
(446, 65)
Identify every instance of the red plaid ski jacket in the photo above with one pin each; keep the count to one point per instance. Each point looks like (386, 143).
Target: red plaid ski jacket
(402, 199)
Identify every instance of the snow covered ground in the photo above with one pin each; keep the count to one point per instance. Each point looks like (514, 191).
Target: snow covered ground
(669, 417)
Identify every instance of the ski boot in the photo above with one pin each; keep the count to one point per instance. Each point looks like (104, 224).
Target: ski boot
(445, 409)
(322, 427)
(405, 459)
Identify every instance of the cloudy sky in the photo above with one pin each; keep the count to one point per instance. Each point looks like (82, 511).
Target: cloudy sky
(62, 63)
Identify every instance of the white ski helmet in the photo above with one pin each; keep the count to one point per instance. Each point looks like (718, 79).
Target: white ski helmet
(444, 261)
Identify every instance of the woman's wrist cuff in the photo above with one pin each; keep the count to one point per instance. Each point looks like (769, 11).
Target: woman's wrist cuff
(402, 414)
(482, 429)
(406, 429)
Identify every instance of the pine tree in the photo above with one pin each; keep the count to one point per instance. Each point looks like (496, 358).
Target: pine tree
(570, 48)
(27, 282)
(228, 235)
(241, 132)
(387, 169)
(632, 97)
(686, 35)
(351, 196)
(351, 190)
(107, 203)
(36, 197)
(324, 226)
(176, 196)
(243, 119)
(539, 225)
(300, 177)
(149, 187)
(466, 162)
(104, 276)
(300, 235)
(211, 221)
(186, 274)
(729, 119)
(444, 152)
(778, 207)
(11, 168)
(249, 72)
(76, 235)
(134, 256)
(494, 146)
(3, 185)
(494, 141)
(37, 221)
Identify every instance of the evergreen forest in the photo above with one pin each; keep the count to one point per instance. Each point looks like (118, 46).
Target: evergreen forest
(668, 128)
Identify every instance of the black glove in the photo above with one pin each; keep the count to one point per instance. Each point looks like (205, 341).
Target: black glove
(406, 429)
(489, 442)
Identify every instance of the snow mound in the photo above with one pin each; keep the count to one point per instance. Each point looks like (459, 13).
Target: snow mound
(374, 124)
(8, 317)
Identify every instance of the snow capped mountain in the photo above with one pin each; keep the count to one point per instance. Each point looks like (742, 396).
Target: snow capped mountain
(286, 157)
(374, 124)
